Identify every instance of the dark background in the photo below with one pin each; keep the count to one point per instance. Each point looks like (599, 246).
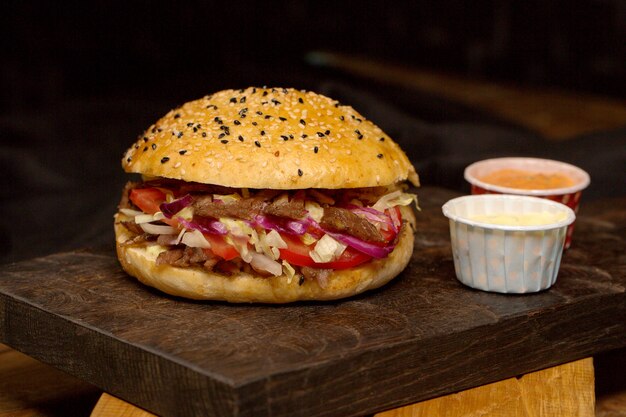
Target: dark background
(80, 80)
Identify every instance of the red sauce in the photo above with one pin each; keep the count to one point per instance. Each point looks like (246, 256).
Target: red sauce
(527, 180)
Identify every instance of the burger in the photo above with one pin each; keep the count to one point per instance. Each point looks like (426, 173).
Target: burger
(268, 195)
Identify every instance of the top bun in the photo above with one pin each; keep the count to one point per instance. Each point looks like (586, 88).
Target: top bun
(277, 138)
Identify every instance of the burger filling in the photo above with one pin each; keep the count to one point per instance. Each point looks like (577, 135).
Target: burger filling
(303, 234)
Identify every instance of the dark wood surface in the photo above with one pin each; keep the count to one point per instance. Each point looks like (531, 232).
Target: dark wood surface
(421, 336)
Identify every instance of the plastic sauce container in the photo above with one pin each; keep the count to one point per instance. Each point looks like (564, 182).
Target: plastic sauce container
(545, 178)
(507, 243)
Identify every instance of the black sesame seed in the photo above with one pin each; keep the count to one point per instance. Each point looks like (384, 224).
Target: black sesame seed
(342, 118)
(128, 159)
(242, 99)
(153, 146)
(284, 137)
(382, 139)
(282, 119)
(379, 156)
(260, 113)
(253, 90)
(304, 135)
(267, 117)
(290, 136)
(145, 148)
(154, 129)
(316, 149)
(300, 100)
(237, 122)
(224, 141)
(136, 146)
(159, 129)
(145, 139)
(189, 124)
(264, 93)
(301, 280)
(256, 142)
(300, 173)
(276, 102)
(164, 159)
(320, 134)
(240, 138)
(180, 135)
(302, 122)
(195, 129)
(221, 135)
(233, 100)
(204, 134)
(254, 123)
(262, 132)
(327, 132)
(176, 116)
(182, 152)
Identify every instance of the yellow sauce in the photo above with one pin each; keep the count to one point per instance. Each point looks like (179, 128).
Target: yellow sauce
(526, 219)
(527, 180)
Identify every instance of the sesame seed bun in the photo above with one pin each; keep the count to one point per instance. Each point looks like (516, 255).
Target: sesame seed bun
(241, 287)
(269, 138)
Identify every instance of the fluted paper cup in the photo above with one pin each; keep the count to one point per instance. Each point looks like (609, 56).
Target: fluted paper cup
(506, 258)
(570, 196)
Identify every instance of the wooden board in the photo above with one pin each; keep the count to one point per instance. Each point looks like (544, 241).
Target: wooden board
(564, 390)
(422, 336)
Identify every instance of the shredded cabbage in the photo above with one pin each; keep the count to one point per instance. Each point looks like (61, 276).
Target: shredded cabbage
(186, 213)
(316, 212)
(327, 249)
(226, 198)
(149, 218)
(131, 213)
(260, 261)
(274, 239)
(195, 239)
(288, 271)
(308, 239)
(396, 198)
(157, 229)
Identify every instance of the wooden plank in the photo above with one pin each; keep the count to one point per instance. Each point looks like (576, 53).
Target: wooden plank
(422, 336)
(554, 114)
(29, 388)
(564, 390)
(109, 406)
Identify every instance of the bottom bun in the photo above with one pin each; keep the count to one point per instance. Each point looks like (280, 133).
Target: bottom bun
(199, 284)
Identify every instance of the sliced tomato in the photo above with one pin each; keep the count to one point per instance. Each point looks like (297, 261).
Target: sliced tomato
(221, 248)
(396, 217)
(147, 199)
(297, 253)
